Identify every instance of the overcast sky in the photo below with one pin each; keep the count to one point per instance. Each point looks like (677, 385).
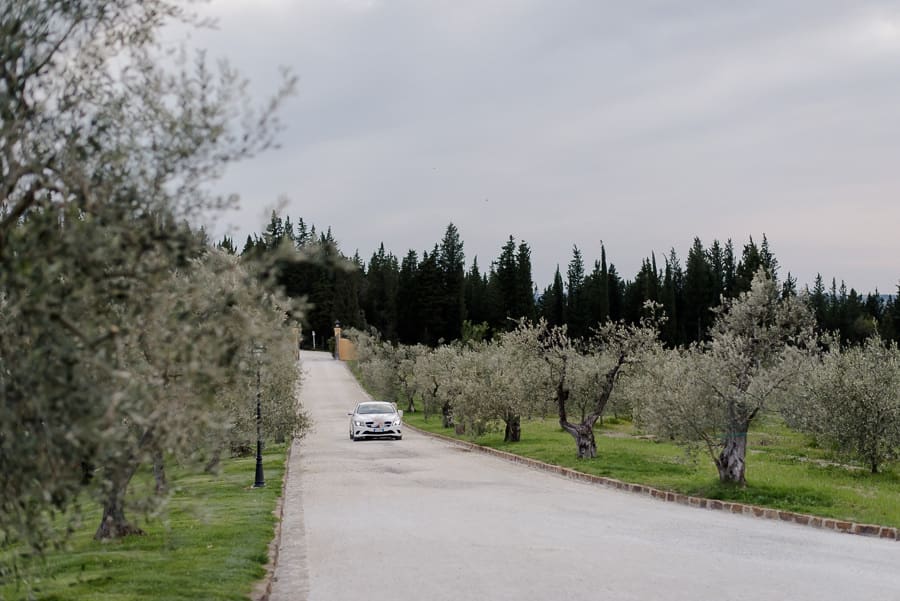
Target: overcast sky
(638, 124)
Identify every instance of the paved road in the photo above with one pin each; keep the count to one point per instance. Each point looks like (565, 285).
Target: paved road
(423, 520)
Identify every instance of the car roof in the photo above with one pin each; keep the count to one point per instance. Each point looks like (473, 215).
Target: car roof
(361, 403)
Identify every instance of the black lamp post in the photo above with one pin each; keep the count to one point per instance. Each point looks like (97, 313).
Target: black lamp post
(260, 477)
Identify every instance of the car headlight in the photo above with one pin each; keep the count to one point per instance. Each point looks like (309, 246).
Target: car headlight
(358, 423)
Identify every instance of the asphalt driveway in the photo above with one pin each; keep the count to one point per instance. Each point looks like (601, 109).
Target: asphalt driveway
(421, 519)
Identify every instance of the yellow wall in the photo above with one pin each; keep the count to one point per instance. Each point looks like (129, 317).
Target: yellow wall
(347, 350)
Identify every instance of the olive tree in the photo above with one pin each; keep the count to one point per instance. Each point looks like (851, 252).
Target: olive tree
(855, 400)
(433, 375)
(586, 378)
(388, 370)
(175, 361)
(712, 392)
(103, 156)
(499, 381)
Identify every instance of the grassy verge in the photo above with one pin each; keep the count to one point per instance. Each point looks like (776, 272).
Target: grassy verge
(784, 470)
(210, 543)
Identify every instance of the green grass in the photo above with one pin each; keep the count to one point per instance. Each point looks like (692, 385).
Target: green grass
(784, 469)
(210, 542)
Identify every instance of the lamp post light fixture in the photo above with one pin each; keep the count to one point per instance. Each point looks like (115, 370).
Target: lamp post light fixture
(260, 477)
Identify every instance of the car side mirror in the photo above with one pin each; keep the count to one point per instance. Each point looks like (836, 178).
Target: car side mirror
(350, 414)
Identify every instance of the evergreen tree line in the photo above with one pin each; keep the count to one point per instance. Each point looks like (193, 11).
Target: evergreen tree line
(433, 297)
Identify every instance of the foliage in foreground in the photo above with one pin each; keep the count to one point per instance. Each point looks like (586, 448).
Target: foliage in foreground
(209, 543)
(124, 340)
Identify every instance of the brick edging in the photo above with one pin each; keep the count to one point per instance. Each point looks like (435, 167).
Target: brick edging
(801, 519)
(263, 588)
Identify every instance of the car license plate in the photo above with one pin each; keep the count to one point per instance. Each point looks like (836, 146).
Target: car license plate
(378, 429)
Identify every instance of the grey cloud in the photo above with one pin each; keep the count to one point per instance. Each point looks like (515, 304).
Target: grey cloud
(641, 124)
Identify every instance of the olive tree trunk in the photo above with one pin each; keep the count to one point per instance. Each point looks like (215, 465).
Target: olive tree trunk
(513, 428)
(583, 432)
(731, 461)
(159, 472)
(215, 459)
(114, 524)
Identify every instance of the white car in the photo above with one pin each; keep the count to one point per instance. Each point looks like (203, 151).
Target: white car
(376, 419)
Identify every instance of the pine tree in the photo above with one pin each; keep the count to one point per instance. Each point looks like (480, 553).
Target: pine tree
(616, 295)
(645, 287)
(383, 279)
(475, 292)
(524, 283)
(430, 299)
(553, 301)
(227, 244)
(576, 310)
(716, 256)
(507, 286)
(819, 302)
(729, 271)
(890, 326)
(752, 259)
(699, 292)
(274, 232)
(409, 326)
(451, 259)
(288, 229)
(301, 238)
(789, 288)
(768, 259)
(673, 301)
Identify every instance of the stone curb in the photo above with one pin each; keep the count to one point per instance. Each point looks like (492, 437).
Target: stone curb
(801, 519)
(263, 588)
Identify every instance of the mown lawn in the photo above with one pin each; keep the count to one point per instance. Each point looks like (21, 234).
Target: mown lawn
(210, 542)
(784, 469)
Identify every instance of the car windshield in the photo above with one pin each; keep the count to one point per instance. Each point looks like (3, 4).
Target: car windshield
(368, 408)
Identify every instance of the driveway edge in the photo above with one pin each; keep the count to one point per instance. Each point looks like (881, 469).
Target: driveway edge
(263, 588)
(802, 519)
